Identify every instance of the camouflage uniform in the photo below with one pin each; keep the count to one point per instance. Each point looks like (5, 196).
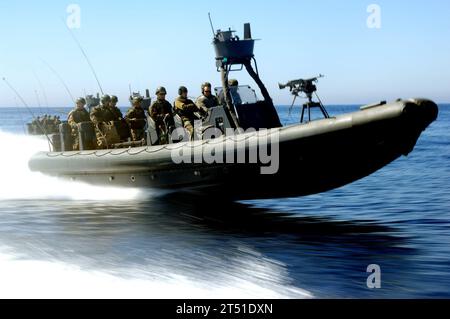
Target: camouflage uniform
(44, 125)
(137, 114)
(51, 128)
(161, 112)
(207, 102)
(102, 116)
(103, 113)
(98, 114)
(76, 116)
(185, 108)
(115, 113)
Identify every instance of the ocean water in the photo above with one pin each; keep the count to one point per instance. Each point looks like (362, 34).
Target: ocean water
(61, 239)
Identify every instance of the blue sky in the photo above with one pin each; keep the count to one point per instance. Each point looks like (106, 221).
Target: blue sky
(168, 43)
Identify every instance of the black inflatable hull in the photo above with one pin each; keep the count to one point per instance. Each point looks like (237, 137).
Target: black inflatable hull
(313, 158)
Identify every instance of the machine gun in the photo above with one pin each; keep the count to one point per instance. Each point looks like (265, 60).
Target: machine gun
(301, 86)
(308, 87)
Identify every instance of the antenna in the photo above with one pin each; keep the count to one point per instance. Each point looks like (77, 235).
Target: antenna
(38, 100)
(43, 90)
(28, 108)
(60, 79)
(85, 55)
(210, 22)
(21, 115)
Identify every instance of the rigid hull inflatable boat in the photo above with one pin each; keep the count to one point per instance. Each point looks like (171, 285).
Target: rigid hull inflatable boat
(305, 158)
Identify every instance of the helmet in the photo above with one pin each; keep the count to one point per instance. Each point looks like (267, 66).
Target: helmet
(182, 90)
(161, 90)
(81, 100)
(105, 99)
(233, 82)
(114, 99)
(137, 99)
(206, 84)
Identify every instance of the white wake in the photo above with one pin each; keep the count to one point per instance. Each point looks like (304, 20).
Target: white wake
(250, 278)
(247, 276)
(18, 182)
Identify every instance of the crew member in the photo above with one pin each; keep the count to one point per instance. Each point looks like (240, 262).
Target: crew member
(186, 109)
(76, 116)
(136, 119)
(207, 100)
(116, 113)
(103, 118)
(161, 112)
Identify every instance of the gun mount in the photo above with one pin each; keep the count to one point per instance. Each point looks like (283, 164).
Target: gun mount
(308, 87)
(302, 86)
(230, 51)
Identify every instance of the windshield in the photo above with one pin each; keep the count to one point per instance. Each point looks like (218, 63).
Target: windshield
(243, 94)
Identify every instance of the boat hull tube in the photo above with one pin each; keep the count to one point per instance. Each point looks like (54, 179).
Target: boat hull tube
(311, 158)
